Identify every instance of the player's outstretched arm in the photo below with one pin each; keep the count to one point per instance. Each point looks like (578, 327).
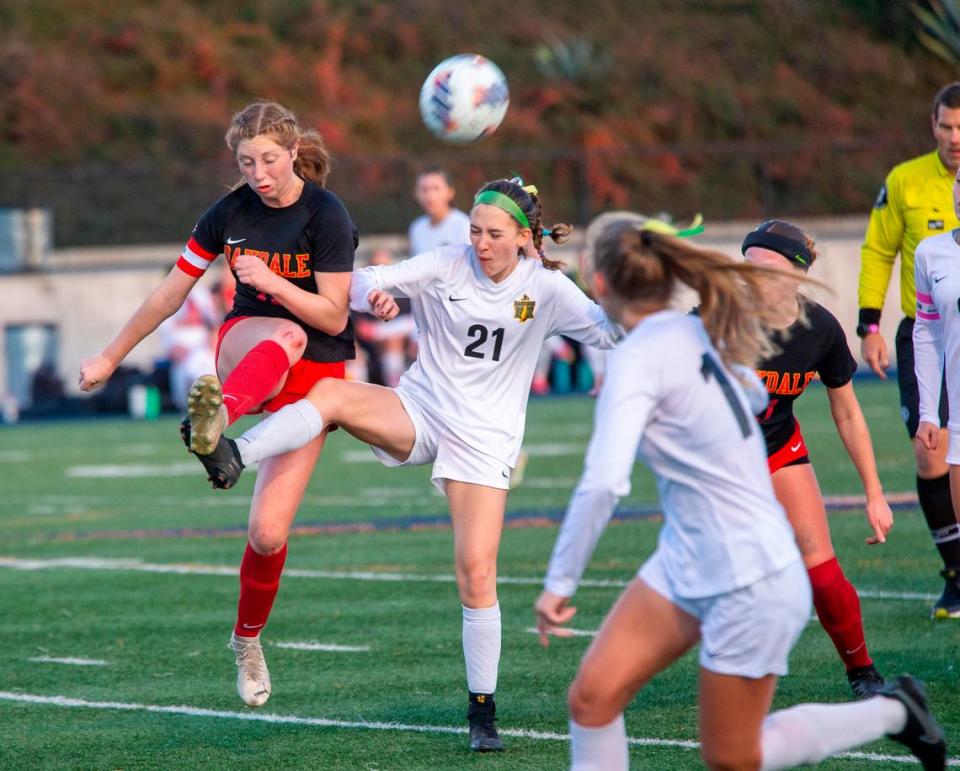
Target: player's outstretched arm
(852, 427)
(162, 303)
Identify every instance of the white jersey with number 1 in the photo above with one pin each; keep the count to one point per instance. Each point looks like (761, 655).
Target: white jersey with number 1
(479, 339)
(668, 400)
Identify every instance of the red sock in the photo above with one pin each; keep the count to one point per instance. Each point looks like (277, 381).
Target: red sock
(838, 608)
(254, 378)
(259, 582)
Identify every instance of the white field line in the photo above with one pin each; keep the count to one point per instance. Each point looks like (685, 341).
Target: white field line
(572, 632)
(134, 470)
(69, 660)
(136, 565)
(267, 717)
(549, 450)
(326, 647)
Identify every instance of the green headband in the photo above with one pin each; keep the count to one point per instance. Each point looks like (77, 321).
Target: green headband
(504, 202)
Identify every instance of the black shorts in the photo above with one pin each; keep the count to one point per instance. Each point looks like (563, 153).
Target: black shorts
(907, 380)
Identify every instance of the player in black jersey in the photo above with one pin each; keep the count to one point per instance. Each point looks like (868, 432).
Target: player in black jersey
(812, 344)
(290, 244)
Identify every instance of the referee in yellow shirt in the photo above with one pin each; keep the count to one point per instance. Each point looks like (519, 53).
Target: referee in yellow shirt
(916, 201)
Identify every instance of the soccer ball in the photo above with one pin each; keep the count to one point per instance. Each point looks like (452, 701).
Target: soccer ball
(464, 98)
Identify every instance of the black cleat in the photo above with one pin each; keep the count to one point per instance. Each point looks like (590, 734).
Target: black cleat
(223, 465)
(922, 735)
(865, 681)
(948, 606)
(482, 714)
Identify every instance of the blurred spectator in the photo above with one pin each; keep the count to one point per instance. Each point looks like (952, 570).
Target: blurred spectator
(440, 224)
(385, 346)
(188, 341)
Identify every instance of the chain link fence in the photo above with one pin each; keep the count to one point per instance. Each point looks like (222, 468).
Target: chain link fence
(158, 203)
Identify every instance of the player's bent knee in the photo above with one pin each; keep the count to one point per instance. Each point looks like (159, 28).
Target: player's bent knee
(292, 338)
(266, 542)
(477, 584)
(591, 706)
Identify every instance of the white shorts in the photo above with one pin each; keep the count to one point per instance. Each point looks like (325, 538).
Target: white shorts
(441, 445)
(953, 449)
(747, 632)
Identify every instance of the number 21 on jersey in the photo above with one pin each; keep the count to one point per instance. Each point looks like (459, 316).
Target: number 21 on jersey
(477, 349)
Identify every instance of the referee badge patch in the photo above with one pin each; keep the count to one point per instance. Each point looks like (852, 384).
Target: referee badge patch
(934, 224)
(523, 309)
(881, 201)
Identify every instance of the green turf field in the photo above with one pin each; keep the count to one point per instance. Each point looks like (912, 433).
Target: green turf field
(114, 550)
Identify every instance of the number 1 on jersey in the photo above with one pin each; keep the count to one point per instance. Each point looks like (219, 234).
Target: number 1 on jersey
(709, 367)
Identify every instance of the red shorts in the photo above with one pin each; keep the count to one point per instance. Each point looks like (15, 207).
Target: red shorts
(300, 377)
(793, 453)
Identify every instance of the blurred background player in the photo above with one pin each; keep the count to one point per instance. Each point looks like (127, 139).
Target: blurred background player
(386, 345)
(811, 342)
(290, 244)
(915, 202)
(936, 336)
(440, 224)
(483, 310)
(188, 339)
(726, 572)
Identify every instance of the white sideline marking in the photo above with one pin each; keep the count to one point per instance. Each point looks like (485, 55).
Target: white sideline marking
(267, 717)
(534, 450)
(573, 632)
(125, 471)
(318, 646)
(15, 456)
(98, 563)
(69, 660)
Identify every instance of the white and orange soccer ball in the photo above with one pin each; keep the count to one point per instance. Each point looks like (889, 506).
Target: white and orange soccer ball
(464, 98)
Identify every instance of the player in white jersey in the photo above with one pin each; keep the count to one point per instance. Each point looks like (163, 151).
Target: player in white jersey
(726, 571)
(936, 335)
(483, 310)
(441, 224)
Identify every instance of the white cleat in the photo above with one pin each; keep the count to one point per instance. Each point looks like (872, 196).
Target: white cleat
(253, 679)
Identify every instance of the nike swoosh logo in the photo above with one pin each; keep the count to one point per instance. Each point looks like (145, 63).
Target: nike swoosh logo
(504, 474)
(856, 649)
(252, 626)
(938, 280)
(453, 299)
(796, 447)
(233, 241)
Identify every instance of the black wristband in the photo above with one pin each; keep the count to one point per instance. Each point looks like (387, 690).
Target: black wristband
(868, 316)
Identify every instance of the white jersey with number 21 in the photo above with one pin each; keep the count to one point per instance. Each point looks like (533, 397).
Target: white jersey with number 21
(479, 339)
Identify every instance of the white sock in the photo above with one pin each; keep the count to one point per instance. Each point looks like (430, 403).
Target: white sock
(481, 647)
(808, 733)
(393, 363)
(599, 749)
(289, 428)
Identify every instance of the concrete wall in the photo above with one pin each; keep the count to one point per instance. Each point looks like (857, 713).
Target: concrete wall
(89, 293)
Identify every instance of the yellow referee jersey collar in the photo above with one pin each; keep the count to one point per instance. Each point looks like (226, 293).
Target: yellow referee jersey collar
(942, 170)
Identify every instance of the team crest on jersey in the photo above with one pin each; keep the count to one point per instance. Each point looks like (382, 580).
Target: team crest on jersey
(523, 309)
(881, 201)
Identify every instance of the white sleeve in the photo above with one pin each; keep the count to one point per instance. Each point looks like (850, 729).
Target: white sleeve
(622, 412)
(927, 344)
(579, 317)
(407, 278)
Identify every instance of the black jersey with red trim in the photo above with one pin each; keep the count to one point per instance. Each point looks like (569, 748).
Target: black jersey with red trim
(313, 235)
(817, 346)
